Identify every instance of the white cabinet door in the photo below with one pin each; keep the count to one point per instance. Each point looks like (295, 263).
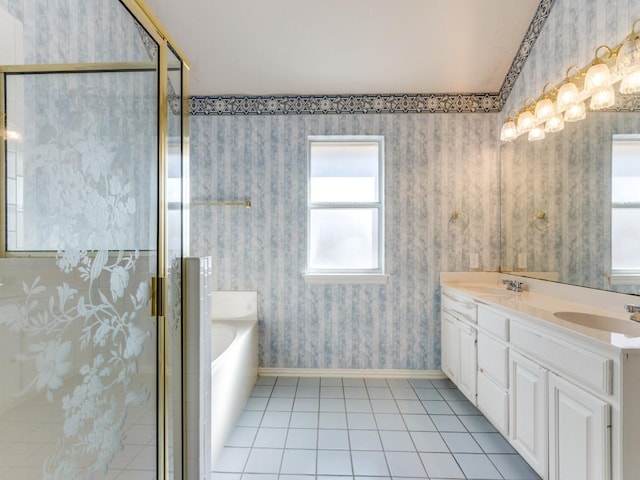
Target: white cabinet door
(528, 413)
(450, 347)
(468, 362)
(493, 401)
(579, 433)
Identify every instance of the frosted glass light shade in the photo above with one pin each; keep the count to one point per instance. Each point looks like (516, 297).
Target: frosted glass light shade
(526, 122)
(567, 95)
(545, 109)
(628, 60)
(630, 83)
(598, 78)
(508, 132)
(554, 124)
(536, 133)
(575, 112)
(603, 99)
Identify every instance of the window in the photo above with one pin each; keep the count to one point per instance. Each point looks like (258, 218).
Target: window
(625, 209)
(345, 207)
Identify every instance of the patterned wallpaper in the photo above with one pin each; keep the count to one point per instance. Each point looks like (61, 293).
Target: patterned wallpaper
(435, 164)
(79, 31)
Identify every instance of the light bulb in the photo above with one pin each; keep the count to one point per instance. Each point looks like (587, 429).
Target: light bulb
(509, 131)
(628, 60)
(536, 133)
(554, 124)
(567, 95)
(597, 79)
(575, 112)
(545, 109)
(525, 122)
(630, 83)
(603, 99)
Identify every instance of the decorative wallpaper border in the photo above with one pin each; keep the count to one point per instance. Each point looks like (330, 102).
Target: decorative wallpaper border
(325, 104)
(377, 103)
(535, 27)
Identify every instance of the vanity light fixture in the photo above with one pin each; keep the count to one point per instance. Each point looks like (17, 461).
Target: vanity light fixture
(593, 83)
(554, 124)
(575, 112)
(526, 121)
(545, 108)
(628, 62)
(509, 130)
(536, 133)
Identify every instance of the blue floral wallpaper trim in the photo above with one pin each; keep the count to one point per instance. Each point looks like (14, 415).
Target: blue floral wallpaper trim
(377, 103)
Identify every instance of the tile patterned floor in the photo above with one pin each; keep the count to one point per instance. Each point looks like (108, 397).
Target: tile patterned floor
(351, 428)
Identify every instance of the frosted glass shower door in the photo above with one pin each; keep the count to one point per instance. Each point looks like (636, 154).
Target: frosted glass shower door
(78, 341)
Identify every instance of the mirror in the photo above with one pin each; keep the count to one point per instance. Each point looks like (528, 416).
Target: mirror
(556, 204)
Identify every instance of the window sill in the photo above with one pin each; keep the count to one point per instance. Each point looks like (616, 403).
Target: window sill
(345, 278)
(624, 278)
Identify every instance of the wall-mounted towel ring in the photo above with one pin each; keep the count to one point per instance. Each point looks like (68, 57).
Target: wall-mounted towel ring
(459, 221)
(541, 221)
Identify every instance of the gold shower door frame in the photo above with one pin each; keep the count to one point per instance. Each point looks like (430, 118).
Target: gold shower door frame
(159, 298)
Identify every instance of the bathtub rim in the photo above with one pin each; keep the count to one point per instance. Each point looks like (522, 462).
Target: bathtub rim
(243, 328)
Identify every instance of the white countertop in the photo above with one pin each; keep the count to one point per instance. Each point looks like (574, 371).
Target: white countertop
(541, 307)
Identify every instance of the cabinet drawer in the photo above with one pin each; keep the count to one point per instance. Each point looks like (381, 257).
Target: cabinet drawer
(493, 359)
(493, 401)
(460, 307)
(578, 363)
(495, 323)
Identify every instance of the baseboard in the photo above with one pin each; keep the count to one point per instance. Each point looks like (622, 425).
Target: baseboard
(349, 373)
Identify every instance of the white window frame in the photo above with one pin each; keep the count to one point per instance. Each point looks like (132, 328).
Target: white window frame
(623, 276)
(323, 276)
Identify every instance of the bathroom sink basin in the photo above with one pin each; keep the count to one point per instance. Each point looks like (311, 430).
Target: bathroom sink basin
(601, 322)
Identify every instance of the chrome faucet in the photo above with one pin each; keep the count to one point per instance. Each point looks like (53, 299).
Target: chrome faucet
(514, 285)
(634, 310)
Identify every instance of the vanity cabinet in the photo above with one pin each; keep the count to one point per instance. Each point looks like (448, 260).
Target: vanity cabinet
(459, 357)
(528, 426)
(579, 433)
(493, 368)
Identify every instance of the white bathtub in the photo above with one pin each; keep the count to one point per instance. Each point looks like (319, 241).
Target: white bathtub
(234, 364)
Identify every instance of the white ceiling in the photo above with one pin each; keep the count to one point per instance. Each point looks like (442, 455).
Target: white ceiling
(314, 47)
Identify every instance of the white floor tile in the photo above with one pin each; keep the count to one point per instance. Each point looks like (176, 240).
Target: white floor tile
(299, 462)
(390, 421)
(369, 463)
(332, 405)
(333, 439)
(441, 465)
(264, 460)
(365, 440)
(513, 467)
(334, 462)
(361, 421)
(270, 438)
(306, 438)
(332, 420)
(477, 466)
(393, 441)
(405, 464)
(429, 442)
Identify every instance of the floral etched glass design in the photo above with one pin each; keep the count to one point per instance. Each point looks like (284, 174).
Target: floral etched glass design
(79, 361)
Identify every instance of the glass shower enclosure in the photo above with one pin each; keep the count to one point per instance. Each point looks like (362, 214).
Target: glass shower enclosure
(93, 168)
